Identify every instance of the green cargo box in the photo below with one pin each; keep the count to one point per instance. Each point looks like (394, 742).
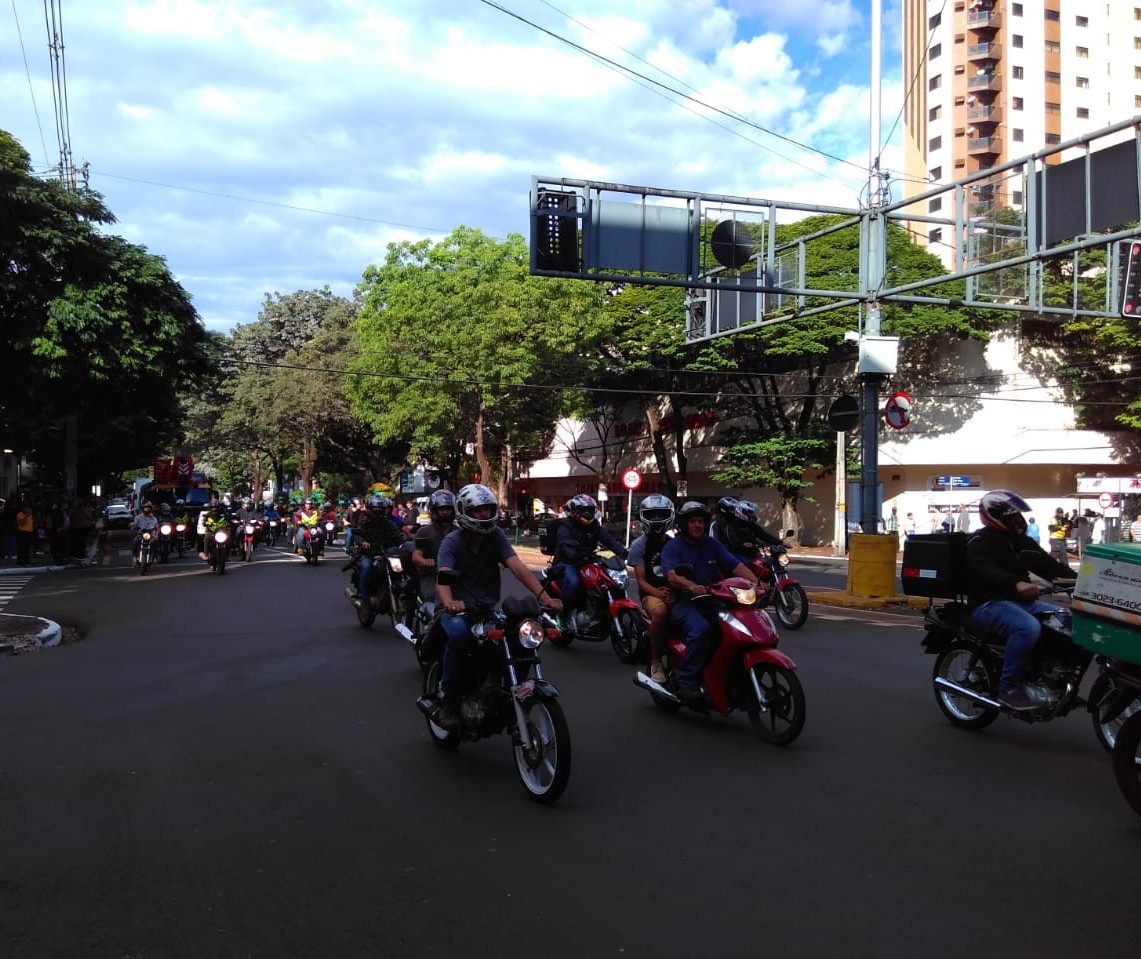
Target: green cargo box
(1107, 601)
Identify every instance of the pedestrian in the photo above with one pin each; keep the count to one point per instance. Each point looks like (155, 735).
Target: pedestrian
(1135, 529)
(1059, 528)
(1033, 531)
(25, 533)
(8, 530)
(58, 523)
(963, 523)
(81, 523)
(909, 527)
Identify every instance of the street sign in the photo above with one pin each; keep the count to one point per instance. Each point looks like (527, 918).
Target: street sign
(631, 479)
(682, 489)
(844, 414)
(602, 493)
(897, 411)
(1105, 500)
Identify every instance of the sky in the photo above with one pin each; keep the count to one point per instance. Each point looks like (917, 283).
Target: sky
(265, 148)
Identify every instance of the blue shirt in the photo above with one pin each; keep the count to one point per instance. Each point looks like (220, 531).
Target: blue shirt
(710, 560)
(477, 557)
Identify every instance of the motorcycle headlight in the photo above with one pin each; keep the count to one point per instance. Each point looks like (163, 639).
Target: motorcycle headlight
(620, 577)
(221, 536)
(165, 529)
(395, 564)
(783, 559)
(250, 528)
(744, 597)
(531, 634)
(181, 527)
(329, 527)
(146, 537)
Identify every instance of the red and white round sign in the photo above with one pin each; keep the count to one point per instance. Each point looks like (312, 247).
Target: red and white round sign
(897, 411)
(631, 479)
(1105, 500)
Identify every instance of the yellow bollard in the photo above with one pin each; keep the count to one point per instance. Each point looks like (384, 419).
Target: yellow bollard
(871, 564)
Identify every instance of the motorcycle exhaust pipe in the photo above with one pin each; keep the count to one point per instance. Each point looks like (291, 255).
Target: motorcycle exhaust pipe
(967, 693)
(641, 679)
(406, 633)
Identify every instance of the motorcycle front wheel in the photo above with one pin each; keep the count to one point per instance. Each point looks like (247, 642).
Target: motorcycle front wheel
(791, 606)
(544, 768)
(444, 738)
(1127, 761)
(144, 562)
(365, 615)
(1107, 732)
(955, 664)
(629, 637)
(780, 718)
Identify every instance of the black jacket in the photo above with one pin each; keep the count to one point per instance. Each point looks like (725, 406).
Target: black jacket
(997, 561)
(576, 544)
(378, 531)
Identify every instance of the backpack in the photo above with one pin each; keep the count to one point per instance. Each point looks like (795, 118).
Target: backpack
(548, 529)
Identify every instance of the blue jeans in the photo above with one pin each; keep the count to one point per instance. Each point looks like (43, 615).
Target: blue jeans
(699, 632)
(1015, 621)
(570, 585)
(458, 631)
(365, 563)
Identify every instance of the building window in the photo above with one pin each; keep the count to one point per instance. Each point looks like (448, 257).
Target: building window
(1053, 109)
(1137, 73)
(935, 82)
(1016, 197)
(1016, 41)
(1052, 15)
(1052, 46)
(1137, 13)
(1083, 53)
(935, 205)
(935, 235)
(1052, 138)
(1052, 77)
(960, 70)
(1017, 135)
(935, 173)
(1016, 73)
(1016, 103)
(933, 22)
(1083, 83)
(1083, 113)
(934, 113)
(1081, 21)
(936, 51)
(959, 164)
(1137, 43)
(1016, 9)
(935, 143)
(1137, 103)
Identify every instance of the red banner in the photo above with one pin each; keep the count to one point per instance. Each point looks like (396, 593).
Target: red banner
(164, 472)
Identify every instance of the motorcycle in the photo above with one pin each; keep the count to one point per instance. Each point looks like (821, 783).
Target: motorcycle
(387, 588)
(607, 614)
(778, 586)
(312, 543)
(165, 539)
(180, 527)
(745, 670)
(272, 528)
(148, 540)
(503, 690)
(218, 548)
(968, 663)
(1127, 761)
(249, 539)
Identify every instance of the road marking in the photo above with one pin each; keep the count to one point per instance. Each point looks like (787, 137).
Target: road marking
(10, 586)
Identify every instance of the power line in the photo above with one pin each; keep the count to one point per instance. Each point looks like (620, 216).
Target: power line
(28, 74)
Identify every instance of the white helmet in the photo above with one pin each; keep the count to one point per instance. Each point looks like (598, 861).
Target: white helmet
(471, 496)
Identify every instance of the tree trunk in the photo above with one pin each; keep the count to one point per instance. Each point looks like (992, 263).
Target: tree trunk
(679, 440)
(654, 419)
(308, 464)
(480, 453)
(503, 483)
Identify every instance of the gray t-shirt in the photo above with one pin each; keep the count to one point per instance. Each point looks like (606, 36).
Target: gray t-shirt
(478, 558)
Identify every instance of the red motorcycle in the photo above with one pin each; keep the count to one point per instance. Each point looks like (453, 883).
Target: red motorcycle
(778, 588)
(745, 669)
(608, 613)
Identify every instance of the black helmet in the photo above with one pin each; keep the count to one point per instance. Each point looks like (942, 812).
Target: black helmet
(379, 503)
(690, 509)
(728, 508)
(442, 506)
(581, 509)
(1002, 510)
(747, 510)
(656, 513)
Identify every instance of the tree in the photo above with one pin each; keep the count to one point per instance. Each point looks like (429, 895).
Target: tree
(454, 337)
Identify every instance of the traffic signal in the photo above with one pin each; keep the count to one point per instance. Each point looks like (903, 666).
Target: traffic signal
(1131, 284)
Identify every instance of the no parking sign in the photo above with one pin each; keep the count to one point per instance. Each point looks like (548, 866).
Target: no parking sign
(897, 411)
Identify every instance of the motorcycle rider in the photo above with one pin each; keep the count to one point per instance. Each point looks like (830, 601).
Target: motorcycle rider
(576, 540)
(374, 533)
(476, 550)
(354, 512)
(145, 521)
(442, 511)
(709, 562)
(306, 518)
(1002, 597)
(735, 525)
(656, 516)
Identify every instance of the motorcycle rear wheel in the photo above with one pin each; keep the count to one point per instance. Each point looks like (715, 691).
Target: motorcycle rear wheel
(629, 637)
(954, 664)
(544, 769)
(1107, 733)
(781, 720)
(365, 614)
(444, 738)
(1127, 761)
(791, 605)
(248, 552)
(221, 562)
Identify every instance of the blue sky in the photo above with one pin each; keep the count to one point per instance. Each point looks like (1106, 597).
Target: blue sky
(269, 147)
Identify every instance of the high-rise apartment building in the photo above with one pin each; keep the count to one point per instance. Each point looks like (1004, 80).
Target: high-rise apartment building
(988, 81)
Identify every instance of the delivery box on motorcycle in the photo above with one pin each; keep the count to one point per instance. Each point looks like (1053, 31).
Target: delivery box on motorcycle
(1107, 601)
(548, 529)
(934, 565)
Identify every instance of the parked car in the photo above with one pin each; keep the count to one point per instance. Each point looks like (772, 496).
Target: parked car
(118, 515)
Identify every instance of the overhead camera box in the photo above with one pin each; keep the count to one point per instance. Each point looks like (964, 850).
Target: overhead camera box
(934, 565)
(1107, 601)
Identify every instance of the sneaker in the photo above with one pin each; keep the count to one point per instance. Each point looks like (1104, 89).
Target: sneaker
(1017, 700)
(657, 674)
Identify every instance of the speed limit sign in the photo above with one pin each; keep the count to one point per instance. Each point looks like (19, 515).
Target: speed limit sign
(631, 479)
(1105, 500)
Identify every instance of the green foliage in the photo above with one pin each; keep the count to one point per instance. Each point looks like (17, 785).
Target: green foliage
(779, 462)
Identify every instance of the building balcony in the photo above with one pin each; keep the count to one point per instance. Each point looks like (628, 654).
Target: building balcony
(985, 81)
(984, 51)
(980, 115)
(984, 19)
(981, 146)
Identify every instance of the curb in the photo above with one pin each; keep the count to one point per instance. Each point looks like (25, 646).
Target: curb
(41, 632)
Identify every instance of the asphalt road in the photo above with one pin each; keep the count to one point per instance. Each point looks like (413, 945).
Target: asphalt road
(231, 766)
